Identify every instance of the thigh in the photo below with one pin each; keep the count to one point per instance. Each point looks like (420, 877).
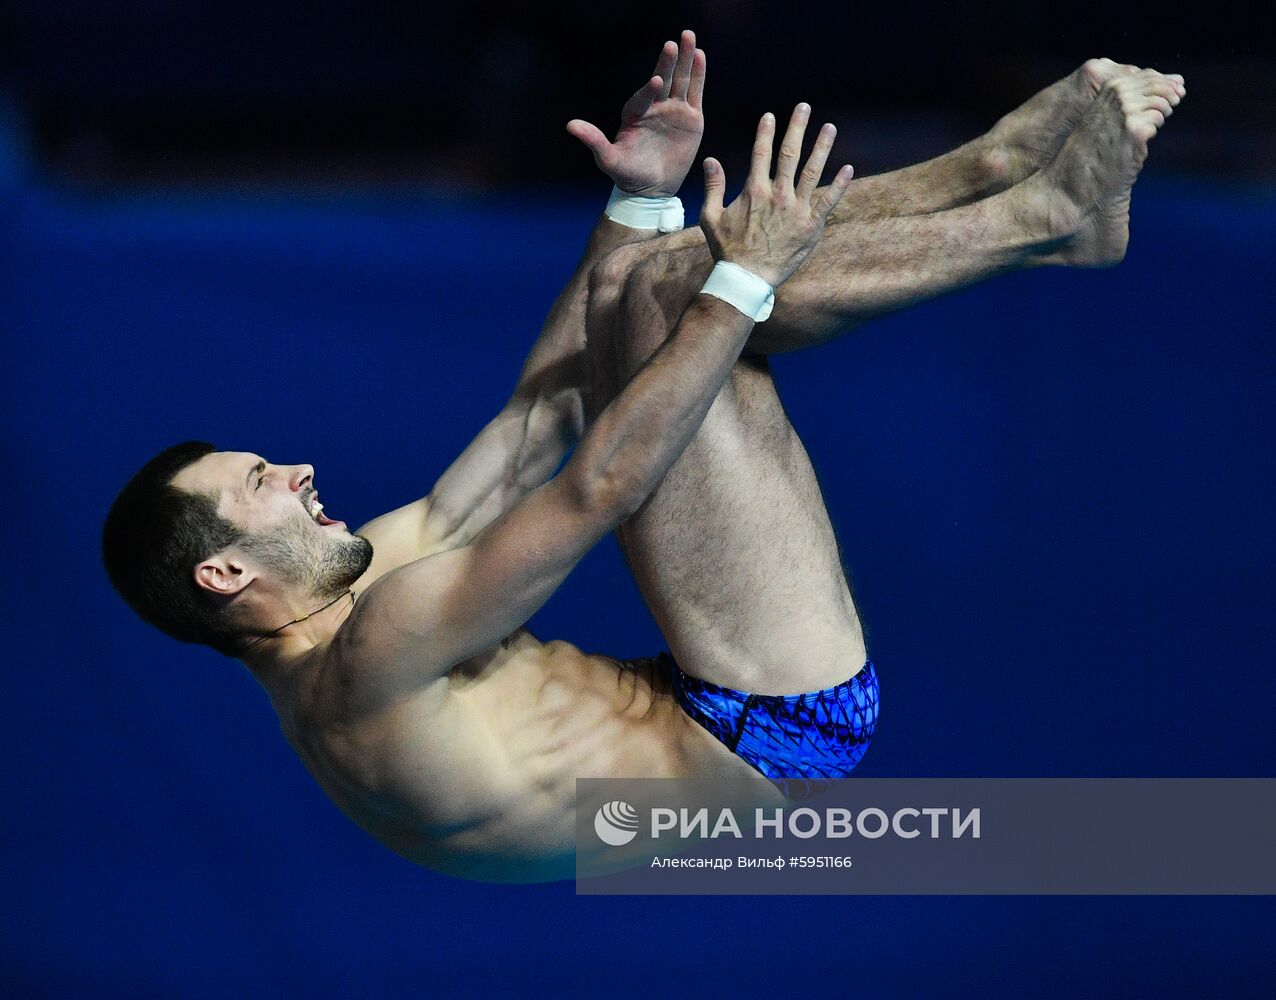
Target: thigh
(733, 551)
(736, 557)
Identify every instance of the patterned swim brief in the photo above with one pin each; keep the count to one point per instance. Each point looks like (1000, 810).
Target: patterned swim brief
(796, 740)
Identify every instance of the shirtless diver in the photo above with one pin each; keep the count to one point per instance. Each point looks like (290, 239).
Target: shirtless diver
(395, 656)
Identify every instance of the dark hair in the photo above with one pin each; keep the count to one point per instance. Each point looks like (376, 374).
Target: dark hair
(154, 536)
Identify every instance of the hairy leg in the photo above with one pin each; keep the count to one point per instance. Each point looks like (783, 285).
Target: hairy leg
(862, 270)
(1018, 145)
(734, 552)
(1073, 211)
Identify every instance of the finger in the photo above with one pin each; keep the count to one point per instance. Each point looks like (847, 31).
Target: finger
(828, 199)
(665, 64)
(643, 98)
(590, 135)
(715, 185)
(814, 168)
(695, 93)
(760, 164)
(791, 146)
(682, 69)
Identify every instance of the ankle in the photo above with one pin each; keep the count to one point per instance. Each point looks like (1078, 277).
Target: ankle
(991, 164)
(1048, 217)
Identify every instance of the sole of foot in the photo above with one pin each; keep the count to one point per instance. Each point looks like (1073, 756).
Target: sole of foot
(1088, 184)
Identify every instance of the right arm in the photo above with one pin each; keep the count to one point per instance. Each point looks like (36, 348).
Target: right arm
(427, 616)
(519, 449)
(423, 618)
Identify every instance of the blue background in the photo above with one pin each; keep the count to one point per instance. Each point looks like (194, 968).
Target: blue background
(1054, 492)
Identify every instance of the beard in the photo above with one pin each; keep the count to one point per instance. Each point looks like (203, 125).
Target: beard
(326, 566)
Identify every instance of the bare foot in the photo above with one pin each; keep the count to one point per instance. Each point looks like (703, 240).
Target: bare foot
(1031, 136)
(1087, 187)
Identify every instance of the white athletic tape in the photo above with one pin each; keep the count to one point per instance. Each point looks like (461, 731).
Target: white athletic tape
(637, 212)
(742, 289)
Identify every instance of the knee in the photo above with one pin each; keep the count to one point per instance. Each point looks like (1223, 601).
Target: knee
(637, 293)
(644, 308)
(643, 282)
(626, 276)
(603, 318)
(607, 278)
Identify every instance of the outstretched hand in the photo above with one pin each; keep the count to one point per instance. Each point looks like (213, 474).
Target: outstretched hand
(773, 225)
(660, 126)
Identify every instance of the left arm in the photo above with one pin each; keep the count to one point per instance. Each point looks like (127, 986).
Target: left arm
(521, 447)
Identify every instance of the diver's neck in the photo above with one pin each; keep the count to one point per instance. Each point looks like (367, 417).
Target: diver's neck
(278, 658)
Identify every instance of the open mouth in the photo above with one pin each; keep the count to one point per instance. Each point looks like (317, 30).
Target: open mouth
(315, 509)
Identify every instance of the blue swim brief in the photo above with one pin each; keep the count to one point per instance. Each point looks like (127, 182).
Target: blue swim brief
(796, 740)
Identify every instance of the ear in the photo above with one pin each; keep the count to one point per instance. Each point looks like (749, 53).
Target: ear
(224, 574)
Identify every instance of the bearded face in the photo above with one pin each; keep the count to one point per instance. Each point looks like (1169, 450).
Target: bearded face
(322, 562)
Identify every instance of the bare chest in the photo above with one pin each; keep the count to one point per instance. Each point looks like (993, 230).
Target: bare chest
(557, 714)
(486, 769)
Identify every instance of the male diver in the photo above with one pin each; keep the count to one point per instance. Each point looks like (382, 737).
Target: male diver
(395, 656)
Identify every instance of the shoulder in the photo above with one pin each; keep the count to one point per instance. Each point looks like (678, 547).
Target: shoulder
(398, 538)
(383, 654)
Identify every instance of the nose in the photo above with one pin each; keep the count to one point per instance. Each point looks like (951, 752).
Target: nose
(301, 477)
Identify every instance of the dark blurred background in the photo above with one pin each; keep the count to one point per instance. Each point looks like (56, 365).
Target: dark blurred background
(476, 95)
(328, 233)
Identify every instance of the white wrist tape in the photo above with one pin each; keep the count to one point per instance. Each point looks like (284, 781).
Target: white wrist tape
(742, 289)
(637, 212)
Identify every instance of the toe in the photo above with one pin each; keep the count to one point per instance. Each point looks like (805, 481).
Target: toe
(1143, 136)
(1098, 70)
(1162, 88)
(1143, 126)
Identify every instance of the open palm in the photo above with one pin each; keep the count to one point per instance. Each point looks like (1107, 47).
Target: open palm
(660, 126)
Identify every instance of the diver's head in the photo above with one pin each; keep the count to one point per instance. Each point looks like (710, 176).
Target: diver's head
(198, 533)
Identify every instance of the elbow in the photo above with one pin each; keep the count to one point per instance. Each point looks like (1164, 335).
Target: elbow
(604, 495)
